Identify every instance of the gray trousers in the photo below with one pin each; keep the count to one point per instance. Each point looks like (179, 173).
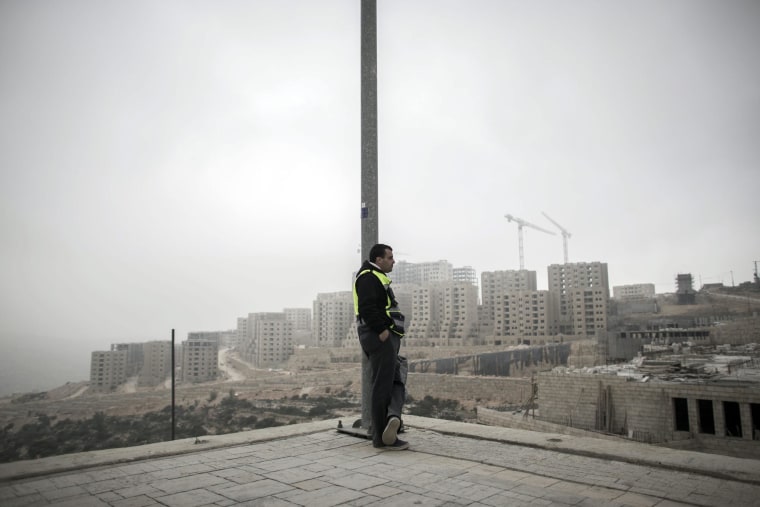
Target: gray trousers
(388, 390)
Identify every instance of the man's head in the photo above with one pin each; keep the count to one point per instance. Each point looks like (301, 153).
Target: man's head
(382, 255)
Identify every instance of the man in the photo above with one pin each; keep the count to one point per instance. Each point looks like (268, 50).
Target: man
(380, 326)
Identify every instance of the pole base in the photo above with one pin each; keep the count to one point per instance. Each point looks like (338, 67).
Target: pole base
(355, 430)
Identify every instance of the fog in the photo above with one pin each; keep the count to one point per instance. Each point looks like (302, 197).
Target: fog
(178, 164)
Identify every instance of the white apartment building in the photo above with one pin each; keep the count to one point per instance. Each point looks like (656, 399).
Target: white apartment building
(465, 274)
(301, 320)
(633, 291)
(421, 272)
(521, 315)
(425, 324)
(271, 342)
(445, 314)
(157, 363)
(300, 317)
(242, 336)
(200, 357)
(578, 275)
(495, 284)
(333, 316)
(134, 356)
(588, 309)
(108, 369)
(581, 314)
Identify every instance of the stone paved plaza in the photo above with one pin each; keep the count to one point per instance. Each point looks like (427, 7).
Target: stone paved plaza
(448, 465)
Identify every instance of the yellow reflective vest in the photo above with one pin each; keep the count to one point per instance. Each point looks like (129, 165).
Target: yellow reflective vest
(390, 309)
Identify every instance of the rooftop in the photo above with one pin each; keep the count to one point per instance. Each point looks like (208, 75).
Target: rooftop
(449, 463)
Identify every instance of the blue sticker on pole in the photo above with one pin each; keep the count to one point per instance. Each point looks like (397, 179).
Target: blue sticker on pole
(365, 211)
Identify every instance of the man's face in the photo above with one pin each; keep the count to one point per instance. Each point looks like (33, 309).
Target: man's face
(386, 262)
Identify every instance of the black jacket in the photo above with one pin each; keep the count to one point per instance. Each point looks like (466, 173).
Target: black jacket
(373, 300)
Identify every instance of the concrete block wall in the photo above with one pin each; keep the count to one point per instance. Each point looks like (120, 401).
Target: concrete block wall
(643, 411)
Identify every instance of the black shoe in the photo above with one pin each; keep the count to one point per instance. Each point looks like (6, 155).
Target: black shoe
(391, 428)
(398, 445)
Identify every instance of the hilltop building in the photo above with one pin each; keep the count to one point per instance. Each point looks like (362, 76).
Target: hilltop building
(108, 369)
(444, 314)
(519, 316)
(333, 316)
(157, 363)
(685, 292)
(583, 290)
(633, 291)
(465, 274)
(134, 356)
(301, 320)
(200, 357)
(270, 341)
(421, 272)
(494, 285)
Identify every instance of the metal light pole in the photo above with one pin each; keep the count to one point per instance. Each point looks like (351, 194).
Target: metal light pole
(174, 425)
(369, 211)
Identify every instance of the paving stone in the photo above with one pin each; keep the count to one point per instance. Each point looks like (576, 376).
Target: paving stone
(28, 499)
(135, 501)
(330, 496)
(80, 501)
(244, 492)
(138, 490)
(57, 494)
(194, 498)
(188, 483)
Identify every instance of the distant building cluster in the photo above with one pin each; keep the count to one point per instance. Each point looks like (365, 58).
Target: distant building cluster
(444, 306)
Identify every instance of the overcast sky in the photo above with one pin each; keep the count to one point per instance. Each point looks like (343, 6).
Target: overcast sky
(179, 164)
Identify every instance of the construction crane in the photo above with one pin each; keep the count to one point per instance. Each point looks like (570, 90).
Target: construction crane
(520, 224)
(565, 234)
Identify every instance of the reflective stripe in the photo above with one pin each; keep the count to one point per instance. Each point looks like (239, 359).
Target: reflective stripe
(393, 313)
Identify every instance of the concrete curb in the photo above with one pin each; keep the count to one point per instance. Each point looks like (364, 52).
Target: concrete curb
(70, 462)
(636, 453)
(722, 467)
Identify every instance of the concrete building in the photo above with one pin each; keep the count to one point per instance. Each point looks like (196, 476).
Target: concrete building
(685, 292)
(466, 274)
(242, 336)
(633, 291)
(134, 356)
(301, 320)
(523, 316)
(333, 315)
(711, 412)
(425, 324)
(494, 284)
(299, 317)
(108, 369)
(404, 293)
(445, 314)
(271, 342)
(422, 272)
(200, 357)
(587, 309)
(584, 291)
(157, 363)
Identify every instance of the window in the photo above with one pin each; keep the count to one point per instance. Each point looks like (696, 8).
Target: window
(706, 419)
(681, 413)
(754, 409)
(732, 416)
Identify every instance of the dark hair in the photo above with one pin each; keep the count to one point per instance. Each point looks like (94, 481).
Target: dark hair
(378, 251)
